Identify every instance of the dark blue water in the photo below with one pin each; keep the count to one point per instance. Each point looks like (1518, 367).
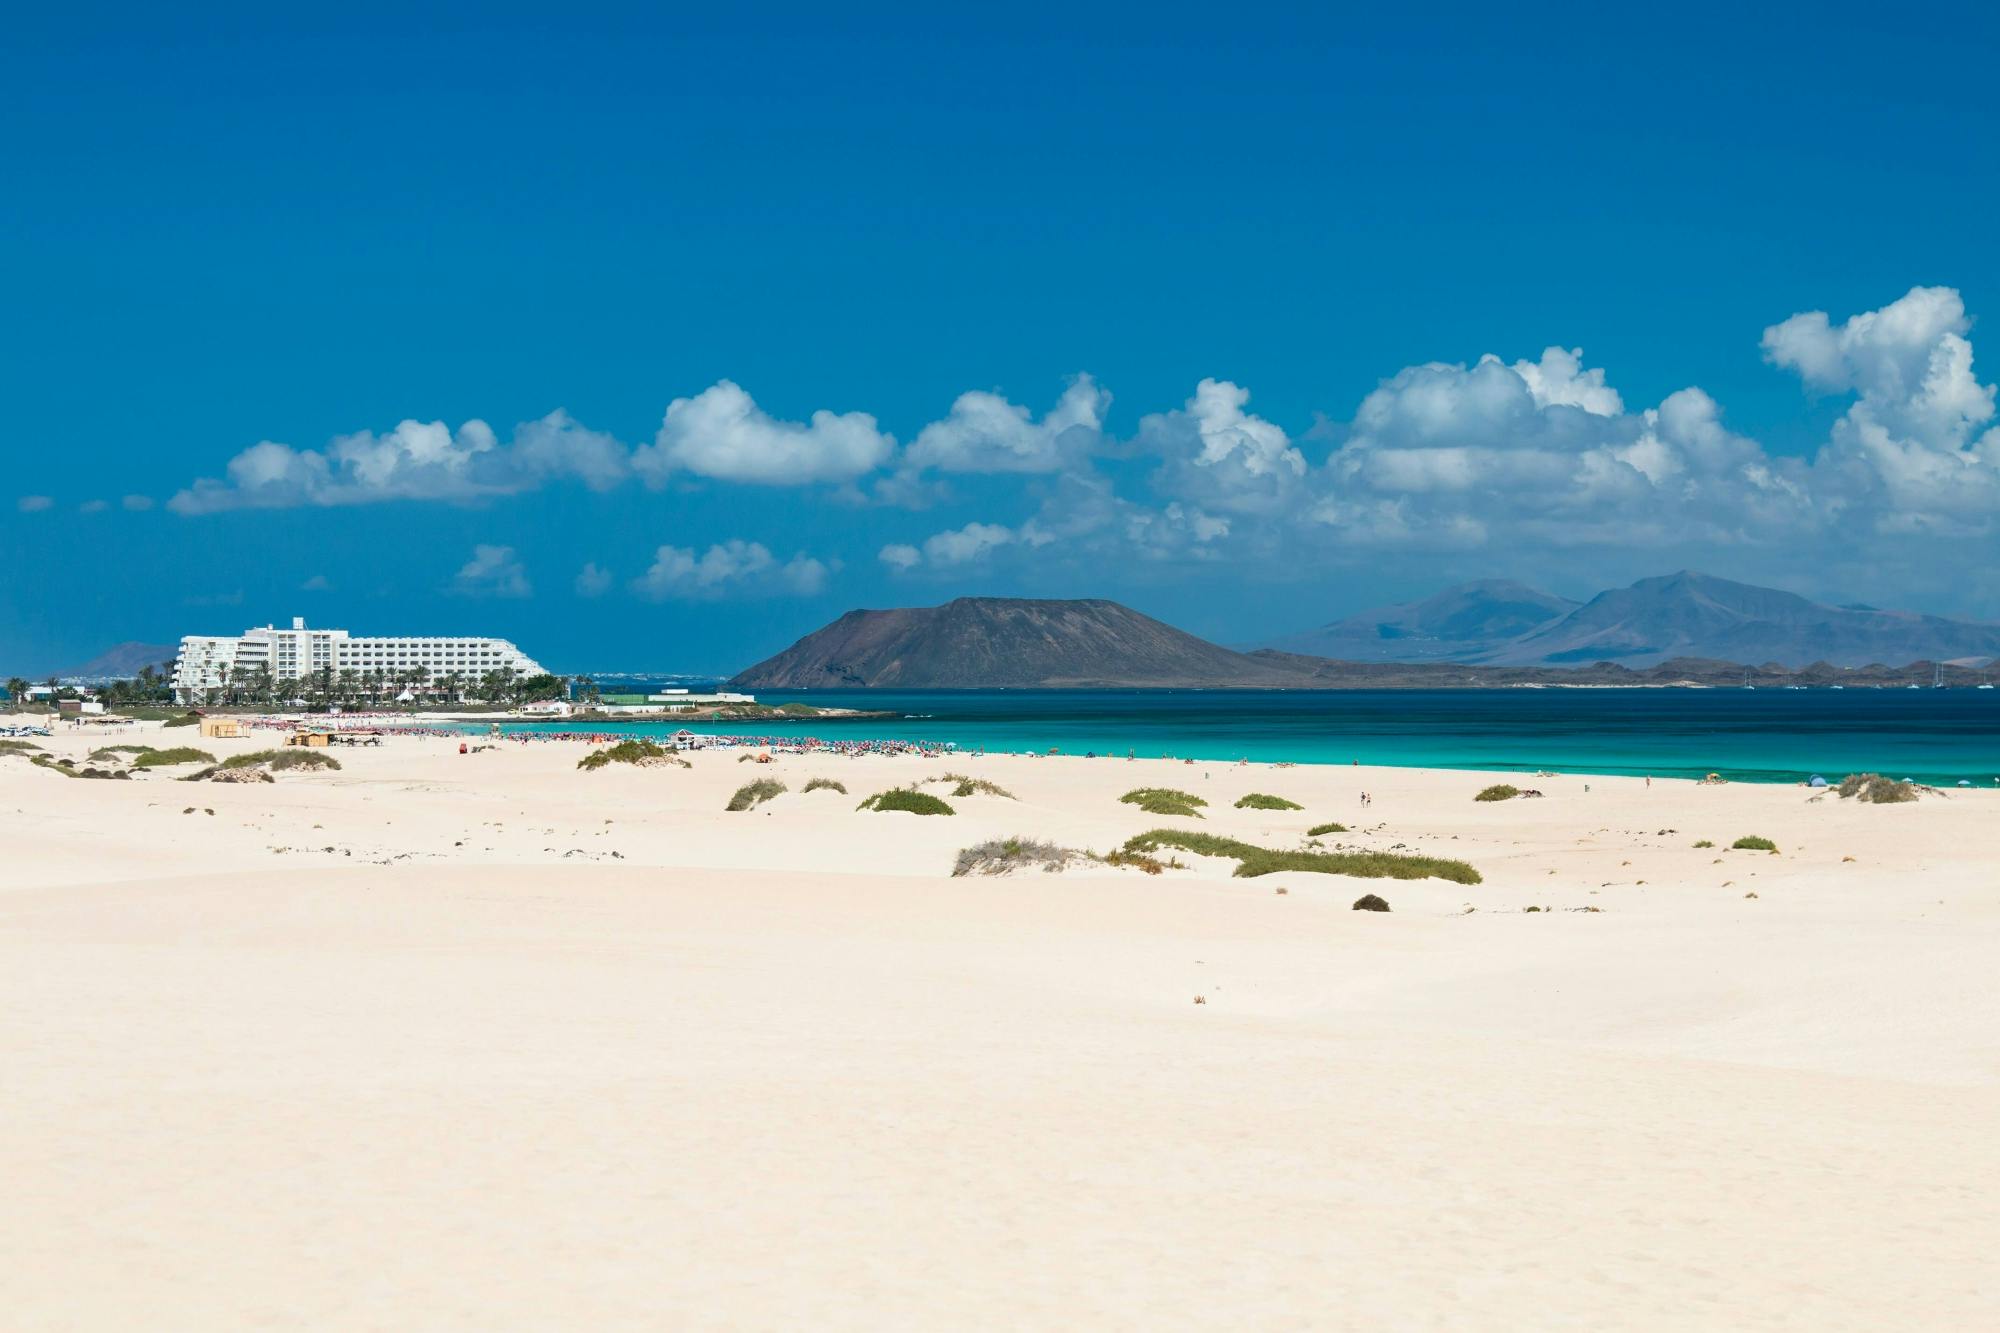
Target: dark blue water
(1766, 735)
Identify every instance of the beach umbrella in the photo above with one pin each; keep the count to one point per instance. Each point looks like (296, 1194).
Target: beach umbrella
(1815, 781)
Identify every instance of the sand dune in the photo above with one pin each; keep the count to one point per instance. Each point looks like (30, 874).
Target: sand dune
(480, 1041)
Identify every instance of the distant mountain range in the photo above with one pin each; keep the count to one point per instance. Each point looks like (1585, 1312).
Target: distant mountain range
(1008, 642)
(1684, 615)
(121, 661)
(1456, 625)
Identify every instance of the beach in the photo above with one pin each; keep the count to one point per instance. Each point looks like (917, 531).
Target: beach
(483, 1041)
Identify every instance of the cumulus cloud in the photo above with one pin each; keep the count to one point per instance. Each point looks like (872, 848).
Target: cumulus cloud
(1453, 456)
(493, 571)
(1910, 448)
(726, 569)
(418, 460)
(722, 434)
(1219, 454)
(593, 580)
(34, 504)
(137, 503)
(963, 546)
(986, 433)
(1441, 455)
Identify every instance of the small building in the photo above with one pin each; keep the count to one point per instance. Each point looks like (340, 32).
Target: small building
(221, 728)
(689, 699)
(317, 740)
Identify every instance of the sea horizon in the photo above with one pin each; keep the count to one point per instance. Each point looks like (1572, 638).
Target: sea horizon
(1939, 737)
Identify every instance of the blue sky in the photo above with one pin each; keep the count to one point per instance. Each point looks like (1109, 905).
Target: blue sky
(1249, 260)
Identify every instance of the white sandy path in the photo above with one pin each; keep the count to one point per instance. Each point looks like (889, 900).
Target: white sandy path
(501, 1088)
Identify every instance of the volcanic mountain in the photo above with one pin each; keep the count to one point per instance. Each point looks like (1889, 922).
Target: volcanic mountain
(1008, 642)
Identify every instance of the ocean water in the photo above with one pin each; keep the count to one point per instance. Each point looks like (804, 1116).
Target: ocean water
(1767, 735)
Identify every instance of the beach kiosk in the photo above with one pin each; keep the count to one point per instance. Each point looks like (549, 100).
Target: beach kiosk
(221, 728)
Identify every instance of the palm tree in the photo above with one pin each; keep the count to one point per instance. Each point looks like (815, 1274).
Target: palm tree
(17, 691)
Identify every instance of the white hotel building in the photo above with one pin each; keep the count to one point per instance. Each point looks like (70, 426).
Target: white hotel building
(300, 652)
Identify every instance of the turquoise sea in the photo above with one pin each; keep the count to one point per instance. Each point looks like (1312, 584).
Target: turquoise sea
(1767, 735)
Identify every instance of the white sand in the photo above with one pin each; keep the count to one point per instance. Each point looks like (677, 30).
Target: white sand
(778, 1069)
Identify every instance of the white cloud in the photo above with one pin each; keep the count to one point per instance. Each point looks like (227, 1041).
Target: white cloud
(137, 503)
(493, 571)
(1453, 456)
(593, 580)
(728, 568)
(986, 433)
(722, 434)
(1559, 379)
(418, 460)
(34, 504)
(1220, 455)
(93, 506)
(1909, 449)
(900, 556)
(317, 583)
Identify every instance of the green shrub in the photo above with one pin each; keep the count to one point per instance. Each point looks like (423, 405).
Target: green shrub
(290, 757)
(624, 752)
(1706, 842)
(1752, 843)
(1321, 830)
(753, 794)
(1258, 800)
(1165, 801)
(113, 751)
(827, 784)
(969, 786)
(1253, 860)
(798, 710)
(1152, 865)
(8, 745)
(1499, 791)
(177, 754)
(906, 799)
(184, 720)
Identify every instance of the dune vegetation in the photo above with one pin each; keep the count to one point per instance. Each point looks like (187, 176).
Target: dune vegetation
(1253, 860)
(1005, 855)
(1321, 830)
(971, 786)
(1258, 800)
(1750, 842)
(172, 755)
(638, 750)
(1876, 789)
(827, 784)
(1499, 791)
(753, 794)
(907, 800)
(1165, 801)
